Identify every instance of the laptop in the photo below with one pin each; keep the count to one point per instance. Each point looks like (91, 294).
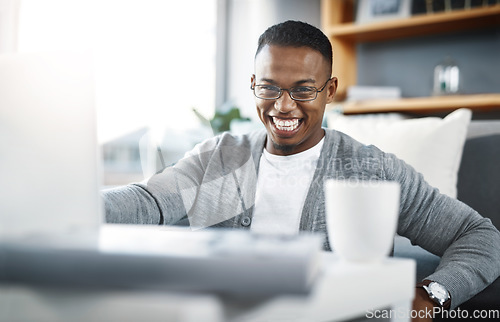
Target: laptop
(52, 230)
(48, 145)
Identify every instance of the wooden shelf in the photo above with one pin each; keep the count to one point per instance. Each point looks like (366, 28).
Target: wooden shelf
(477, 102)
(417, 25)
(337, 19)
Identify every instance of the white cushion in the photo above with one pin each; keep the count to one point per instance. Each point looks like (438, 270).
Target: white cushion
(432, 145)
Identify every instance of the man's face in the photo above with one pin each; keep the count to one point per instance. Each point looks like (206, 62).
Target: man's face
(292, 126)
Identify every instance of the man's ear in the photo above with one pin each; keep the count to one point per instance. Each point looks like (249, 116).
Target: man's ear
(332, 89)
(252, 81)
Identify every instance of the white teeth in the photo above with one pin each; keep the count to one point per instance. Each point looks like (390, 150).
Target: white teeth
(286, 125)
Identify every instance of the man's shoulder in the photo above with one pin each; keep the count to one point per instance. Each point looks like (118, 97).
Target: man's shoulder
(251, 140)
(345, 148)
(354, 157)
(343, 143)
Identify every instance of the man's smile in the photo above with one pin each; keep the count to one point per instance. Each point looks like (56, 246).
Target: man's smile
(285, 127)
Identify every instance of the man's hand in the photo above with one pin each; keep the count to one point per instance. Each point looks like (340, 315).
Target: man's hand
(422, 304)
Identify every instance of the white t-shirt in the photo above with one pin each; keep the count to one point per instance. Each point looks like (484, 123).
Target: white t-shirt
(282, 187)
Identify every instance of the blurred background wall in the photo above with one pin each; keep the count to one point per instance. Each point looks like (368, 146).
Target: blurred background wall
(409, 63)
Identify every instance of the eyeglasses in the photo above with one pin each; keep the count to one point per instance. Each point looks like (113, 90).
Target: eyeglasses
(298, 93)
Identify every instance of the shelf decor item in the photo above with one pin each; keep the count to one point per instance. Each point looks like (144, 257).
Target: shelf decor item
(446, 78)
(380, 10)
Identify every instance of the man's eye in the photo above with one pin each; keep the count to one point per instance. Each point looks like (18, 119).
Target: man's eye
(268, 88)
(303, 89)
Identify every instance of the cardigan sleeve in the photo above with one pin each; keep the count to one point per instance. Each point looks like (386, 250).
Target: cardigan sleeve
(468, 244)
(213, 183)
(165, 196)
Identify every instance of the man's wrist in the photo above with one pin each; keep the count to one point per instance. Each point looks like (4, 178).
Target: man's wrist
(421, 305)
(435, 292)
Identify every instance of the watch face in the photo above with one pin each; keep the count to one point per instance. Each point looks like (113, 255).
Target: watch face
(438, 291)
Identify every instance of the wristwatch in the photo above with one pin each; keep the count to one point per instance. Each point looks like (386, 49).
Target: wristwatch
(437, 292)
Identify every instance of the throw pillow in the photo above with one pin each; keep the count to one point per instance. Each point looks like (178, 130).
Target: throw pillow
(432, 145)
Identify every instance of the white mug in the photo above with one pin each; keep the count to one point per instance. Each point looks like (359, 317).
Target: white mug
(361, 218)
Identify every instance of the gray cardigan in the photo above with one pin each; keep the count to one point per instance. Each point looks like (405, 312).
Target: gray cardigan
(214, 186)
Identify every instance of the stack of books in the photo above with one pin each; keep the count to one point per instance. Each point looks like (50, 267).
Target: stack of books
(432, 6)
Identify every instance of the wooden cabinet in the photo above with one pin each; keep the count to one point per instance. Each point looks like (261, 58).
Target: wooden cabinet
(337, 18)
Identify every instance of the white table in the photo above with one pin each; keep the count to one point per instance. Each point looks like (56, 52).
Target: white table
(344, 291)
(341, 292)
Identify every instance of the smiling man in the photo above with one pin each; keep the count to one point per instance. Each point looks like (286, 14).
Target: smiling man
(272, 180)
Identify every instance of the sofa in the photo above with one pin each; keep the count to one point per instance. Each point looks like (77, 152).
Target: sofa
(478, 186)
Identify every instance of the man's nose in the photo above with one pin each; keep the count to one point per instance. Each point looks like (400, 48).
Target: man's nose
(285, 103)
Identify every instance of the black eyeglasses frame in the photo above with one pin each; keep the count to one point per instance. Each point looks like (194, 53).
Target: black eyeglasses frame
(290, 90)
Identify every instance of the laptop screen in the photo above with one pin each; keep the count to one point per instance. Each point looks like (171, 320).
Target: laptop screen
(48, 144)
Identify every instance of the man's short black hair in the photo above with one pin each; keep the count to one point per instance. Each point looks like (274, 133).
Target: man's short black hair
(297, 34)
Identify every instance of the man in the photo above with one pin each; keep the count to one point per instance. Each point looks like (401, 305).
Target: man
(273, 180)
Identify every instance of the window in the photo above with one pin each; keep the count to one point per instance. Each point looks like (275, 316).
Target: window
(154, 59)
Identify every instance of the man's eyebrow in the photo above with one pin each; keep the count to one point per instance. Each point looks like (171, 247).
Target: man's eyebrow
(267, 80)
(297, 83)
(310, 80)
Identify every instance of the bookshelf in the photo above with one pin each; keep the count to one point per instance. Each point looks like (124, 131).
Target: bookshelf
(338, 23)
